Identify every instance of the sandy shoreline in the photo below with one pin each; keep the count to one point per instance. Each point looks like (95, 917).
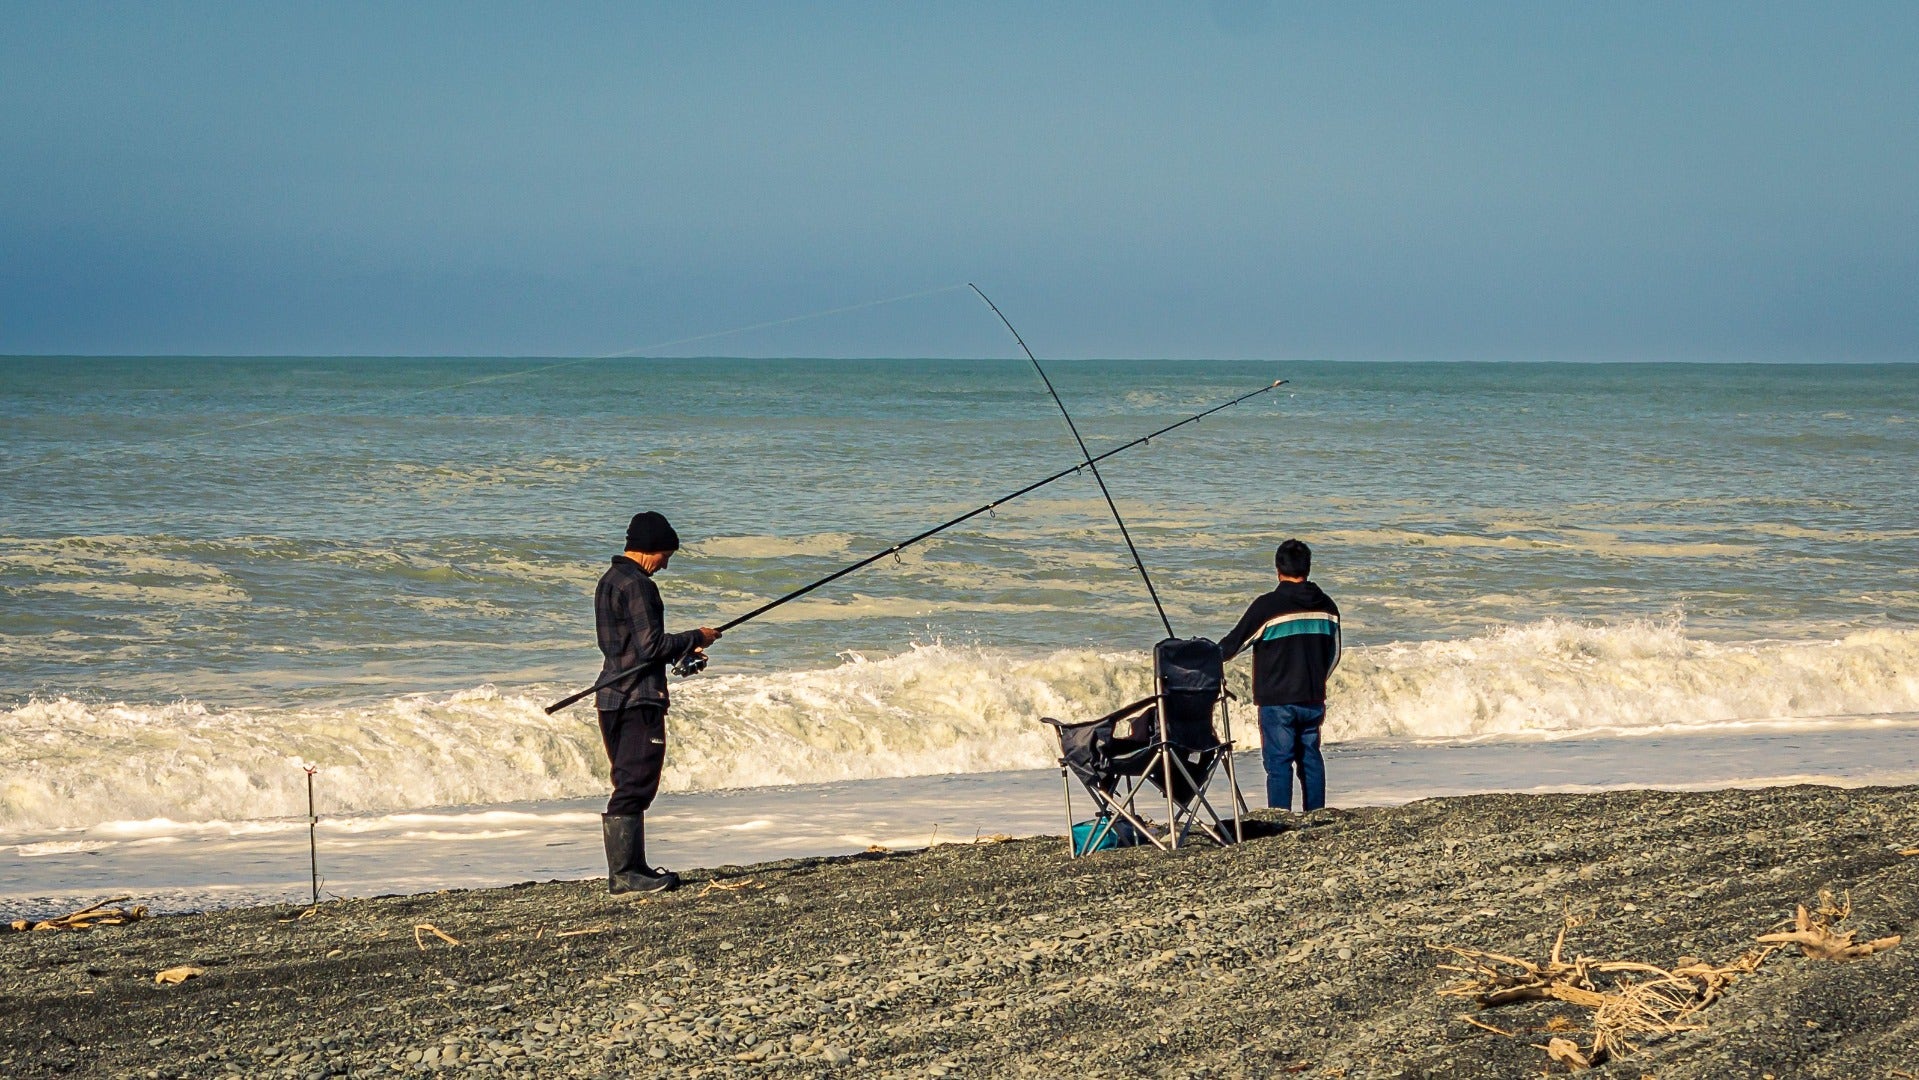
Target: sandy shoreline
(1304, 953)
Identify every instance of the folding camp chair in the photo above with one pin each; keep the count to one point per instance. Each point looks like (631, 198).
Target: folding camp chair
(1165, 742)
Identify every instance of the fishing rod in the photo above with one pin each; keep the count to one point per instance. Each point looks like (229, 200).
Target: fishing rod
(1088, 455)
(691, 662)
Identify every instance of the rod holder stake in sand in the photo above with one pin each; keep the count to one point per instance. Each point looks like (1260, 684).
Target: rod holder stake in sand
(313, 850)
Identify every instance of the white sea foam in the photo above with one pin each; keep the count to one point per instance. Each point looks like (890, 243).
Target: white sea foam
(1556, 677)
(75, 763)
(933, 709)
(830, 544)
(1564, 538)
(59, 847)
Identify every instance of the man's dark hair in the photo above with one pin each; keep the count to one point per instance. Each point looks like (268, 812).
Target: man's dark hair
(1293, 559)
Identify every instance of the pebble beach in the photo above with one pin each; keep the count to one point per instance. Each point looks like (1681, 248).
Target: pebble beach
(1526, 399)
(1315, 948)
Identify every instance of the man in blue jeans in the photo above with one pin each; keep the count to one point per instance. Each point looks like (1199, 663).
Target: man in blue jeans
(1294, 632)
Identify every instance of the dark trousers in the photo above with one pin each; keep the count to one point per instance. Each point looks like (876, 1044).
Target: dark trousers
(635, 740)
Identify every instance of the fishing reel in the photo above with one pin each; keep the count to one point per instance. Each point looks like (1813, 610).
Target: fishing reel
(690, 663)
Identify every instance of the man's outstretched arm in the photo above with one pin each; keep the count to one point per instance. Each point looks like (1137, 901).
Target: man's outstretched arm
(1230, 645)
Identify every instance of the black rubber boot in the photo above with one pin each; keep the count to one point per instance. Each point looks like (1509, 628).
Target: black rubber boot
(626, 869)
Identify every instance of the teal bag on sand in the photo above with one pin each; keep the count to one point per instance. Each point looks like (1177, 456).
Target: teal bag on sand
(1122, 834)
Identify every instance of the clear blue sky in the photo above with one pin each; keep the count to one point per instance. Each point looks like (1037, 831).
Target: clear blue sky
(1533, 180)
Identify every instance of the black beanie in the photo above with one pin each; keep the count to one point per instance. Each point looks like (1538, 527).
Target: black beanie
(649, 531)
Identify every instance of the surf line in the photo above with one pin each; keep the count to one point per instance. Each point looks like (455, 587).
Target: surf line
(1087, 455)
(623, 354)
(691, 663)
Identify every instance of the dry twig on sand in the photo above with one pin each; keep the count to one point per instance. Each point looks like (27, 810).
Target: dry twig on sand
(1488, 1027)
(87, 918)
(717, 885)
(1629, 1001)
(1817, 935)
(435, 931)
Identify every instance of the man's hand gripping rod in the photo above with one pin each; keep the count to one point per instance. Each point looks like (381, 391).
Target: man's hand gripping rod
(689, 664)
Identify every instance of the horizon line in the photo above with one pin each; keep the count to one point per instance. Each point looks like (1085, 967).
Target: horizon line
(589, 358)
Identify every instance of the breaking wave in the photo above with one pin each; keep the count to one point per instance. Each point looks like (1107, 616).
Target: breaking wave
(932, 709)
(1559, 678)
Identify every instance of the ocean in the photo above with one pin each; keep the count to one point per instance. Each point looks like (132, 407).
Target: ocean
(215, 572)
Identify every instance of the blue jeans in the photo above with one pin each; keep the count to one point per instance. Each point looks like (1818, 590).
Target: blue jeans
(1289, 740)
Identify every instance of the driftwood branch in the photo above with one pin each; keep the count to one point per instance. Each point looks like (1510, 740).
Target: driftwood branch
(1817, 933)
(1632, 1001)
(1567, 1053)
(87, 918)
(1629, 1001)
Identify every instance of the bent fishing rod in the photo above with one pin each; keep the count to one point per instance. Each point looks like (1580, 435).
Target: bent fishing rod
(683, 667)
(1086, 454)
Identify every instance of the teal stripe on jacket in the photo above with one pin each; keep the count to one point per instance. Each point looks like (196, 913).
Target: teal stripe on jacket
(1299, 626)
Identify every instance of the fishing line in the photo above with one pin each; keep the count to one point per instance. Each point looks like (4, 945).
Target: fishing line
(693, 661)
(405, 394)
(1088, 456)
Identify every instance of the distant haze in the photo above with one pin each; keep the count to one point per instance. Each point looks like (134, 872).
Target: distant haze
(1381, 181)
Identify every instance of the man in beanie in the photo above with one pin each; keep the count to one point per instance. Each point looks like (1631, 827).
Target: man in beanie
(632, 630)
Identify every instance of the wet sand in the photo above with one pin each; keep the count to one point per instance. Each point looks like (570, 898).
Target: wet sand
(1307, 952)
(189, 866)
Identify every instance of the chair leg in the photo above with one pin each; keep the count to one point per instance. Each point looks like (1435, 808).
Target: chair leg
(1172, 818)
(1239, 800)
(1217, 830)
(1179, 815)
(1123, 808)
(1232, 774)
(1066, 786)
(1140, 827)
(1108, 808)
(1191, 815)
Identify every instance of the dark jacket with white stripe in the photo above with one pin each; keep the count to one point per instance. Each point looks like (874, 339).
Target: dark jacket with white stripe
(1294, 632)
(632, 626)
